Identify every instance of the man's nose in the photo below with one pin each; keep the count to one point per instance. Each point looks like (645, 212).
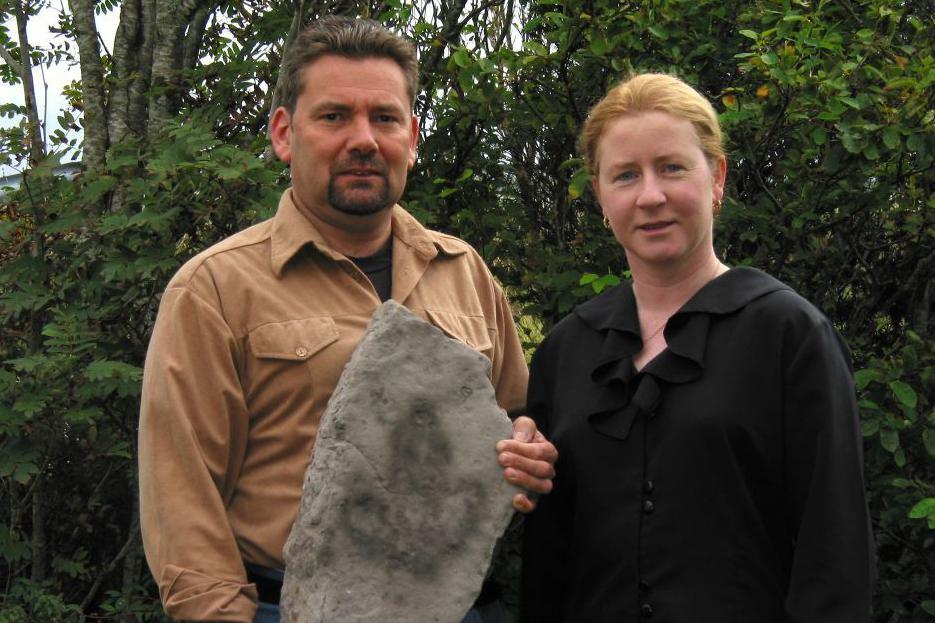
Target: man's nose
(362, 138)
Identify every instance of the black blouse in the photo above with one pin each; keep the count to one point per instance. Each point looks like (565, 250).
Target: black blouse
(721, 483)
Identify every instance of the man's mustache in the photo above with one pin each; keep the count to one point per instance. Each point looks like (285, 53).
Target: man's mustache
(357, 163)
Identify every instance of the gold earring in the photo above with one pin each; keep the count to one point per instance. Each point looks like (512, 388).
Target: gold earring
(717, 207)
(606, 222)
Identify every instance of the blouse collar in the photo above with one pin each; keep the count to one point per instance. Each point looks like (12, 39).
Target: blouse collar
(614, 314)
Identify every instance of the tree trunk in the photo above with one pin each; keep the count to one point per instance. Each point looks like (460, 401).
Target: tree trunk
(298, 20)
(40, 544)
(132, 563)
(125, 61)
(36, 140)
(92, 84)
(195, 33)
(172, 18)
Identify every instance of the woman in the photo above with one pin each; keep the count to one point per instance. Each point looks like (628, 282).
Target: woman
(710, 464)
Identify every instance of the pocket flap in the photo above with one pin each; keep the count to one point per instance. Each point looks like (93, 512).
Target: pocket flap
(472, 330)
(296, 340)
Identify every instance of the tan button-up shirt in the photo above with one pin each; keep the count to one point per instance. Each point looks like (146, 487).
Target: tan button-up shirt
(251, 337)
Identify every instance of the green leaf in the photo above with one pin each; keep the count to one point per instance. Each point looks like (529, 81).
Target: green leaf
(928, 439)
(891, 137)
(901, 483)
(446, 192)
(24, 472)
(461, 57)
(899, 457)
(904, 393)
(851, 142)
(750, 34)
(924, 508)
(103, 369)
(7, 228)
(863, 377)
(28, 364)
(870, 428)
(769, 58)
(579, 181)
(929, 606)
(599, 44)
(819, 135)
(661, 33)
(29, 405)
(889, 439)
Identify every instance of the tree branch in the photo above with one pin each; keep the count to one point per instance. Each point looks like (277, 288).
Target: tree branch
(14, 64)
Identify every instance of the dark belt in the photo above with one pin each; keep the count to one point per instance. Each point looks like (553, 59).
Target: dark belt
(269, 589)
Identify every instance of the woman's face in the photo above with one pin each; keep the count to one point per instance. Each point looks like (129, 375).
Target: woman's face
(657, 188)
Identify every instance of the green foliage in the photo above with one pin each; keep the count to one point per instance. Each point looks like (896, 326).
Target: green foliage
(78, 294)
(828, 112)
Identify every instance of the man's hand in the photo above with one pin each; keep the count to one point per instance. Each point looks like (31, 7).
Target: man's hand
(528, 460)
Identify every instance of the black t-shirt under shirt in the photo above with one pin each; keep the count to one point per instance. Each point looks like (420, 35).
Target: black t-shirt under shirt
(379, 269)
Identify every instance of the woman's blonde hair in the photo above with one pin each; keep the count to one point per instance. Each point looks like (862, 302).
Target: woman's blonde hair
(652, 92)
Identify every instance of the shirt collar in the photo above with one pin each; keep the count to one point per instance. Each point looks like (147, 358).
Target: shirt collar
(614, 315)
(723, 295)
(292, 231)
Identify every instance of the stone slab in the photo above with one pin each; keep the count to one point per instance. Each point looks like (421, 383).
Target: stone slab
(403, 500)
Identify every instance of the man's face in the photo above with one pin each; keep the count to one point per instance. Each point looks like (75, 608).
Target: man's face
(352, 138)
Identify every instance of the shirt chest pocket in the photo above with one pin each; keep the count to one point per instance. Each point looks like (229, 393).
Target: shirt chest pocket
(293, 340)
(294, 365)
(470, 330)
(288, 378)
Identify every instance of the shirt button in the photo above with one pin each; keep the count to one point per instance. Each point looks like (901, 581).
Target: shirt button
(648, 506)
(301, 351)
(648, 486)
(646, 611)
(643, 586)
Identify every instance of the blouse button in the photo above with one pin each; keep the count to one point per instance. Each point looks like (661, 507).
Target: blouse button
(646, 611)
(643, 586)
(301, 351)
(648, 506)
(648, 486)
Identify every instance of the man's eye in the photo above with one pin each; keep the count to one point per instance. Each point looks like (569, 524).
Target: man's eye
(331, 116)
(386, 118)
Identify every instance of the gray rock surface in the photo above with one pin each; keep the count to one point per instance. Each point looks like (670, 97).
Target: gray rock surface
(404, 499)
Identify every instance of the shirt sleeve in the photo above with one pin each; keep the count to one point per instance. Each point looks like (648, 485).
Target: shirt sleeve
(829, 524)
(547, 530)
(509, 374)
(192, 438)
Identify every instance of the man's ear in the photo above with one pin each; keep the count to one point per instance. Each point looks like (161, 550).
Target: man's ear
(280, 134)
(413, 140)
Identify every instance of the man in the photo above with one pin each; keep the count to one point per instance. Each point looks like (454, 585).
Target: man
(253, 333)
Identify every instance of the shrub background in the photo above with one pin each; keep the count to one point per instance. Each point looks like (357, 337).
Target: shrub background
(828, 108)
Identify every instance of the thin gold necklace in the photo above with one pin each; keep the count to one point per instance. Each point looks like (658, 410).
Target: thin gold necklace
(656, 332)
(717, 272)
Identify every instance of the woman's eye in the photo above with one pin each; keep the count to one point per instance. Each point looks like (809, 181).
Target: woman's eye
(673, 168)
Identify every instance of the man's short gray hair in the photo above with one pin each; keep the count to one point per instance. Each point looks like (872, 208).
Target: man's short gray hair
(348, 37)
